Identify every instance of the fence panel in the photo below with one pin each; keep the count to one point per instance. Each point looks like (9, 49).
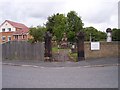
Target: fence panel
(22, 50)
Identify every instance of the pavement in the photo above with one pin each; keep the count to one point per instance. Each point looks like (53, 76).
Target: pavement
(100, 62)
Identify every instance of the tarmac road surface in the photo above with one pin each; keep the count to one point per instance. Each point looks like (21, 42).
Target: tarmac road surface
(59, 77)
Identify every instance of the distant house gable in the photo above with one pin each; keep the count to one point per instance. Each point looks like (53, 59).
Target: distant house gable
(18, 26)
(10, 30)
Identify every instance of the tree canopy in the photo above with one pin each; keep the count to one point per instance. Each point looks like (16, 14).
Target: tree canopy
(115, 34)
(70, 24)
(74, 24)
(37, 33)
(94, 33)
(57, 25)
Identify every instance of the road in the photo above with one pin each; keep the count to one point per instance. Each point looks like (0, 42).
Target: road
(59, 77)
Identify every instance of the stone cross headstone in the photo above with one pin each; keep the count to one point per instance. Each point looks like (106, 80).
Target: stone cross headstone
(64, 42)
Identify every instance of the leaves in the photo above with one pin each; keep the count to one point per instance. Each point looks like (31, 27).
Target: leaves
(37, 33)
(115, 34)
(71, 24)
(74, 22)
(57, 24)
(74, 25)
(94, 34)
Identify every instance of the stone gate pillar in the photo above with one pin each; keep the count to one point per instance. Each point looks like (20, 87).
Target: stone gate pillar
(80, 46)
(48, 46)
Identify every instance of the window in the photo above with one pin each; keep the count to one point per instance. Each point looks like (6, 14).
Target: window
(9, 29)
(9, 38)
(3, 30)
(24, 36)
(16, 37)
(3, 38)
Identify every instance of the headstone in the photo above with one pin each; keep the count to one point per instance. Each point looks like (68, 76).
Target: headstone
(64, 43)
(73, 48)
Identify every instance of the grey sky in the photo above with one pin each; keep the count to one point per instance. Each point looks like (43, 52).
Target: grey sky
(100, 14)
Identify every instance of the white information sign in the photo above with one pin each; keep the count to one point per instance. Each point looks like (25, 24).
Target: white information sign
(95, 45)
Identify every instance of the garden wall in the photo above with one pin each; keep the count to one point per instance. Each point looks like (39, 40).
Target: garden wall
(107, 49)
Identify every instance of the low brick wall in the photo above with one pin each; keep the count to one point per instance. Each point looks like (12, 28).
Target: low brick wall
(107, 49)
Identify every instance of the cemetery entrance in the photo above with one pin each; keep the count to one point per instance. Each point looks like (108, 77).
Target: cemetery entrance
(60, 52)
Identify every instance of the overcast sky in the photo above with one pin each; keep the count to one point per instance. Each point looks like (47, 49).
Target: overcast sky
(100, 14)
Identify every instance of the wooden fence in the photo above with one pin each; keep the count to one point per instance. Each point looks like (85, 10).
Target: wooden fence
(22, 50)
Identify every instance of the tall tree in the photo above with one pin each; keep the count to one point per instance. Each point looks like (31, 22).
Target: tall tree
(74, 25)
(57, 25)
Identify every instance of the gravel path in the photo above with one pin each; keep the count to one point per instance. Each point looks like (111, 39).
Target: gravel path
(61, 56)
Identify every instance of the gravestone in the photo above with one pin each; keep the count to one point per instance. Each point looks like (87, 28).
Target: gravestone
(64, 43)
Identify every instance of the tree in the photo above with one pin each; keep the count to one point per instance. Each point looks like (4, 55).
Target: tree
(101, 36)
(37, 33)
(71, 36)
(94, 33)
(57, 25)
(115, 34)
(74, 25)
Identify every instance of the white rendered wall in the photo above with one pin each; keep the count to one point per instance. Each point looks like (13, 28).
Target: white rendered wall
(6, 25)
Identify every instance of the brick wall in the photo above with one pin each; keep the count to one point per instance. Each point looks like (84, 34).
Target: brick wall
(107, 49)
(6, 34)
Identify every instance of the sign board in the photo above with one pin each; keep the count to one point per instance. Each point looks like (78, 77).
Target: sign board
(95, 45)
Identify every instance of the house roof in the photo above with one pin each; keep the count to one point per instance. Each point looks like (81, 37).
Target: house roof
(23, 29)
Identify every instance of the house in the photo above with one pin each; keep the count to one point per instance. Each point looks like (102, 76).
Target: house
(10, 31)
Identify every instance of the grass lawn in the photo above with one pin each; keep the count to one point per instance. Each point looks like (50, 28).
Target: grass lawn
(73, 56)
(55, 49)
